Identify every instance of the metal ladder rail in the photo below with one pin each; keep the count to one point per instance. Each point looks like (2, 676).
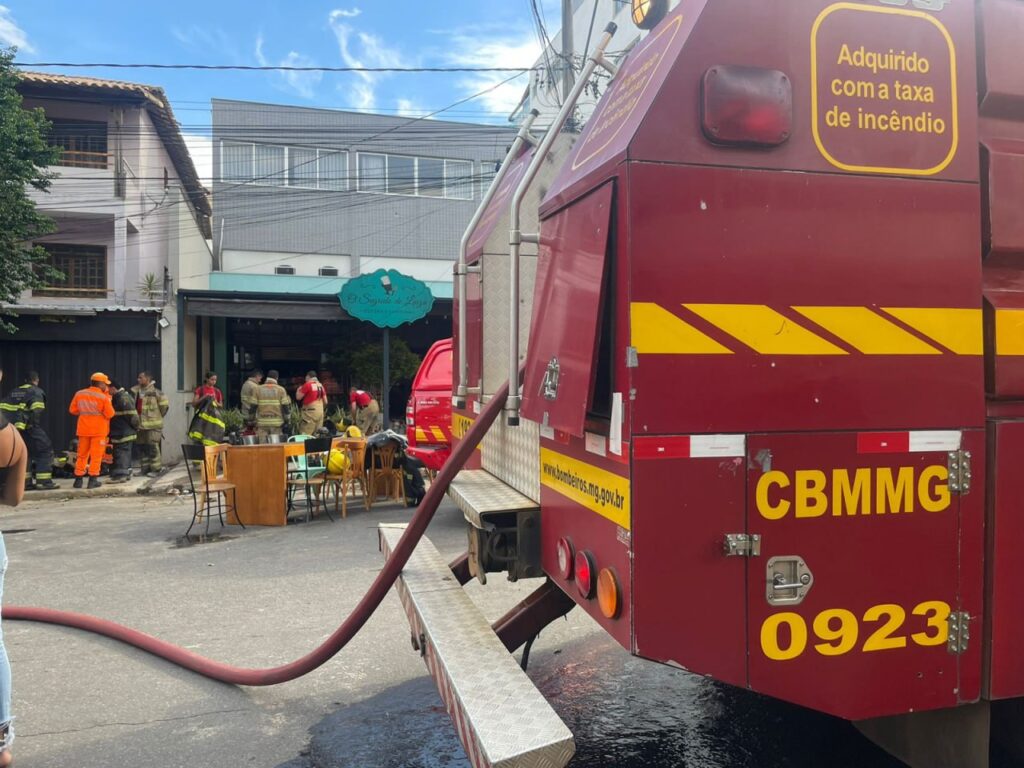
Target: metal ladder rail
(523, 137)
(516, 238)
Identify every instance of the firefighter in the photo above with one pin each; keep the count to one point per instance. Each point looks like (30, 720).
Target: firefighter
(207, 427)
(273, 407)
(94, 410)
(249, 399)
(151, 405)
(24, 407)
(311, 397)
(365, 411)
(123, 432)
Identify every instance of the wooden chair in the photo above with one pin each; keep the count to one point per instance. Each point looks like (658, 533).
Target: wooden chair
(205, 476)
(354, 473)
(303, 474)
(384, 472)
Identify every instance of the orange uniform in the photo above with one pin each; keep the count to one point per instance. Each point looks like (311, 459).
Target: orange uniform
(94, 410)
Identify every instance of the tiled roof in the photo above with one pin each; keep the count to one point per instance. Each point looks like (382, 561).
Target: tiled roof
(159, 108)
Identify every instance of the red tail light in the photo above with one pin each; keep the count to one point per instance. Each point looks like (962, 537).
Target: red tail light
(585, 574)
(747, 106)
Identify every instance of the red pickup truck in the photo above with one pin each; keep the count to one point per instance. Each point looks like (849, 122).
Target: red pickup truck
(428, 415)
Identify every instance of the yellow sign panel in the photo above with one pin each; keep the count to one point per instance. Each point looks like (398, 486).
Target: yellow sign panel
(460, 426)
(883, 90)
(598, 490)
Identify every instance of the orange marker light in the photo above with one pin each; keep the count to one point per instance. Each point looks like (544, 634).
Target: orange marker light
(609, 595)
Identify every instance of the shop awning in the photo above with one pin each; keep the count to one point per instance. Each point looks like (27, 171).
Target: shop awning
(264, 310)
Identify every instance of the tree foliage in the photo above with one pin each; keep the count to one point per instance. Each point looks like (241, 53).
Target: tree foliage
(24, 156)
(363, 365)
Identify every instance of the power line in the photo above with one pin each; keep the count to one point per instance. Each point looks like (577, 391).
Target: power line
(261, 68)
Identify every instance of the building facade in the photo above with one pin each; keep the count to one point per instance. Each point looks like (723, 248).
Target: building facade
(132, 229)
(305, 200)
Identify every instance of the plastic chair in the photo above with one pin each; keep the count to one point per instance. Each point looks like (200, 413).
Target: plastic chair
(354, 473)
(384, 471)
(304, 475)
(201, 463)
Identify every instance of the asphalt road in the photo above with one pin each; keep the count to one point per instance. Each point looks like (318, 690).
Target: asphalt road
(263, 597)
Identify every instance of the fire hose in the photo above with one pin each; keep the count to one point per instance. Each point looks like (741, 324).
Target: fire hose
(339, 638)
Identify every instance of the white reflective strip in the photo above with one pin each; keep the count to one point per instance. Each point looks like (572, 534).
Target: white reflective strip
(615, 429)
(595, 443)
(707, 446)
(923, 442)
(548, 432)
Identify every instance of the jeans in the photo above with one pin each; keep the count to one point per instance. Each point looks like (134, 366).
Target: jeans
(5, 665)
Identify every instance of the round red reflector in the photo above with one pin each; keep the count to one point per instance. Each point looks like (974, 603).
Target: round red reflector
(565, 554)
(585, 574)
(608, 593)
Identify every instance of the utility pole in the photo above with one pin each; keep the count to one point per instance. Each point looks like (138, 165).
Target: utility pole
(568, 73)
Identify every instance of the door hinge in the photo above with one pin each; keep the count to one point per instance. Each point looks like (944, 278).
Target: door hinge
(742, 545)
(959, 632)
(959, 465)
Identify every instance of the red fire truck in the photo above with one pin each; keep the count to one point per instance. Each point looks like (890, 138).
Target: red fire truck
(762, 324)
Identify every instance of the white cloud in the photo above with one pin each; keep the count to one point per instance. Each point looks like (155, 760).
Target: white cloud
(11, 33)
(409, 108)
(472, 49)
(302, 83)
(361, 49)
(201, 150)
(348, 14)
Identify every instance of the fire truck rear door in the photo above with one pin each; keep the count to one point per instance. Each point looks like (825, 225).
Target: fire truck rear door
(851, 601)
(567, 308)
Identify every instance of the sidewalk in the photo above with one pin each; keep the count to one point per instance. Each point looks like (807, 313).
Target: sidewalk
(171, 479)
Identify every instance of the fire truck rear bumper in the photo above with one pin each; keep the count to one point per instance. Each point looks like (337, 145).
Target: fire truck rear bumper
(501, 718)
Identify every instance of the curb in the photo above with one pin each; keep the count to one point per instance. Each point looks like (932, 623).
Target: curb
(137, 485)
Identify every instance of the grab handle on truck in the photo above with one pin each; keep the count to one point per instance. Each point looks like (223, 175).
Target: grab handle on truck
(516, 238)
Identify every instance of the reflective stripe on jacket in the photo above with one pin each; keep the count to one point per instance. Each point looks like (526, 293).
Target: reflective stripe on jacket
(126, 419)
(24, 406)
(151, 406)
(207, 426)
(94, 411)
(272, 404)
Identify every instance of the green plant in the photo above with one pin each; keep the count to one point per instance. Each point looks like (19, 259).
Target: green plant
(294, 419)
(24, 154)
(364, 365)
(150, 287)
(233, 420)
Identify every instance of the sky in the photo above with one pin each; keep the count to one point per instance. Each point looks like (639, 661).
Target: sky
(356, 33)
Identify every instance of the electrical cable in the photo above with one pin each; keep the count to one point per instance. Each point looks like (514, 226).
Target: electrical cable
(262, 68)
(341, 636)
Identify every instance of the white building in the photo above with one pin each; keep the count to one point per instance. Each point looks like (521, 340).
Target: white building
(133, 223)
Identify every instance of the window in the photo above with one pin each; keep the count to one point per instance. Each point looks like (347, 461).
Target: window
(236, 162)
(284, 269)
(401, 175)
(431, 177)
(423, 176)
(333, 170)
(488, 170)
(84, 142)
(302, 167)
(372, 172)
(328, 271)
(458, 179)
(84, 268)
(270, 165)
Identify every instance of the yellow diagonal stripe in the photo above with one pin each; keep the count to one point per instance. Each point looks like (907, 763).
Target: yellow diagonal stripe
(958, 330)
(1010, 332)
(764, 330)
(438, 434)
(867, 331)
(421, 436)
(656, 331)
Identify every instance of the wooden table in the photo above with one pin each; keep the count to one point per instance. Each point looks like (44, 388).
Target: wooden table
(260, 475)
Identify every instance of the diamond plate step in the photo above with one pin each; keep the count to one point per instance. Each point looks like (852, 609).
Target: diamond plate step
(502, 720)
(477, 492)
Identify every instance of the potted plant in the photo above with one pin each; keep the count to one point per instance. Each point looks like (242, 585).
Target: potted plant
(151, 289)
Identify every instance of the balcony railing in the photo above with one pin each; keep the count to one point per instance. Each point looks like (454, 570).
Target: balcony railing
(73, 158)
